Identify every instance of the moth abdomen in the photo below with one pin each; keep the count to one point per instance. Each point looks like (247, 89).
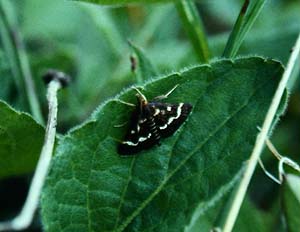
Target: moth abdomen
(153, 129)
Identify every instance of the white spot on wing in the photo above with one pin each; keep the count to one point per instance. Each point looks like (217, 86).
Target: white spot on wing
(141, 139)
(169, 108)
(130, 143)
(163, 127)
(171, 119)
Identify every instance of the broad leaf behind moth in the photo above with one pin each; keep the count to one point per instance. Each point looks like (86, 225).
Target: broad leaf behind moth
(90, 187)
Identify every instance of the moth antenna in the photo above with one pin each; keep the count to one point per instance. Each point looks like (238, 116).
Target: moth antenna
(142, 96)
(168, 93)
(120, 125)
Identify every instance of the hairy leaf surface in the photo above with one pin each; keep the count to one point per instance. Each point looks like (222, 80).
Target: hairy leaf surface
(91, 188)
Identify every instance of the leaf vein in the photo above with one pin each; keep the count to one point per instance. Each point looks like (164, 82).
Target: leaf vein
(124, 192)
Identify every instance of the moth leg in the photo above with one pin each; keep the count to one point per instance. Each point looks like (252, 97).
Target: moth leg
(166, 95)
(120, 125)
(125, 103)
(116, 140)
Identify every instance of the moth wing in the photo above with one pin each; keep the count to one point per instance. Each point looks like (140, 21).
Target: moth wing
(169, 117)
(138, 136)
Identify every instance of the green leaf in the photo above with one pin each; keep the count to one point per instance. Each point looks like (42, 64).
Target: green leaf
(209, 214)
(291, 202)
(17, 56)
(91, 188)
(243, 24)
(145, 69)
(260, 43)
(6, 81)
(192, 23)
(21, 140)
(260, 220)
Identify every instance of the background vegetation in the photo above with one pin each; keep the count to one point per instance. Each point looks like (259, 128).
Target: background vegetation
(90, 43)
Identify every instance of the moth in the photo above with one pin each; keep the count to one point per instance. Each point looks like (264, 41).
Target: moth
(151, 121)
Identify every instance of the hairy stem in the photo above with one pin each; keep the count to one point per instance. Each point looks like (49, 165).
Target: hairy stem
(24, 219)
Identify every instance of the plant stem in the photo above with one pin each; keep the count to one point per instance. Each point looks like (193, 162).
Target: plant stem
(27, 76)
(260, 140)
(16, 53)
(24, 219)
(192, 23)
(242, 26)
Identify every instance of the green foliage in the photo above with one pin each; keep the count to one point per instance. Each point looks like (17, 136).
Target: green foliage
(193, 25)
(184, 184)
(291, 202)
(212, 218)
(6, 81)
(243, 23)
(15, 52)
(145, 69)
(21, 139)
(89, 181)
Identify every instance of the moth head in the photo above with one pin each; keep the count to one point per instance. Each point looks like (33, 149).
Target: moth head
(142, 100)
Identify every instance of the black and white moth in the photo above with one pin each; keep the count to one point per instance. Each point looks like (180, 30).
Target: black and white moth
(151, 121)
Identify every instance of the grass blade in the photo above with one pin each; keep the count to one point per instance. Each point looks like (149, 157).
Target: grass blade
(19, 62)
(193, 25)
(243, 24)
